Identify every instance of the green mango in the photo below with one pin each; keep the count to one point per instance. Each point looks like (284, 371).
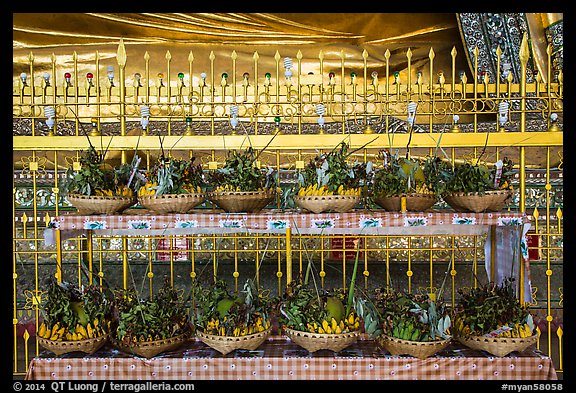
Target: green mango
(78, 309)
(335, 308)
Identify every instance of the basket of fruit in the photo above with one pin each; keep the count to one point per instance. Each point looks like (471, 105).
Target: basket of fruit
(94, 187)
(329, 183)
(240, 186)
(474, 187)
(400, 185)
(226, 322)
(74, 320)
(490, 318)
(149, 327)
(172, 186)
(412, 324)
(319, 319)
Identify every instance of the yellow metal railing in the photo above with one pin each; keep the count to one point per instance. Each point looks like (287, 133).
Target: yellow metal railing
(279, 114)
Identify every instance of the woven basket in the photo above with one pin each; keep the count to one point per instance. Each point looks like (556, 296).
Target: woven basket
(242, 201)
(415, 202)
(88, 346)
(313, 342)
(227, 344)
(149, 349)
(489, 201)
(324, 203)
(420, 350)
(171, 203)
(88, 205)
(498, 346)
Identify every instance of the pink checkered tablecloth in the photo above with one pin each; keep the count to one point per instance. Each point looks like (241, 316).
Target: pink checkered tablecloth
(276, 221)
(280, 359)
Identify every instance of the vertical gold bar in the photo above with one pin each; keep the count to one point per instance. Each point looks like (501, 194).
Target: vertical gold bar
(453, 270)
(58, 255)
(257, 260)
(279, 271)
(288, 255)
(214, 258)
(366, 272)
(236, 273)
(548, 189)
(121, 59)
(125, 266)
(523, 55)
(343, 260)
(168, 89)
(492, 253)
(172, 246)
(409, 270)
(322, 272)
(90, 256)
(192, 257)
(387, 263)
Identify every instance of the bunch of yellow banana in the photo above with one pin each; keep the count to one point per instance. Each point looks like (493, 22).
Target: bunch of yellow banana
(518, 331)
(148, 189)
(191, 189)
(314, 190)
(124, 191)
(229, 188)
(422, 189)
(214, 327)
(346, 325)
(100, 192)
(80, 332)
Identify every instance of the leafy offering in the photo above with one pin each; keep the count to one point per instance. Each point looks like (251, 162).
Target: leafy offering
(493, 310)
(412, 317)
(97, 178)
(240, 173)
(173, 176)
(470, 177)
(331, 174)
(399, 175)
(216, 311)
(70, 313)
(140, 320)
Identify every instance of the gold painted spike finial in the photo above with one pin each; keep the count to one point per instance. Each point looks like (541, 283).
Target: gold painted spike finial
(234, 55)
(277, 56)
(498, 51)
(559, 213)
(454, 52)
(191, 57)
(53, 57)
(147, 56)
(168, 55)
(409, 54)
(121, 54)
(47, 219)
(256, 56)
(387, 54)
(30, 57)
(365, 54)
(535, 214)
(299, 55)
(321, 55)
(431, 54)
(524, 52)
(212, 55)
